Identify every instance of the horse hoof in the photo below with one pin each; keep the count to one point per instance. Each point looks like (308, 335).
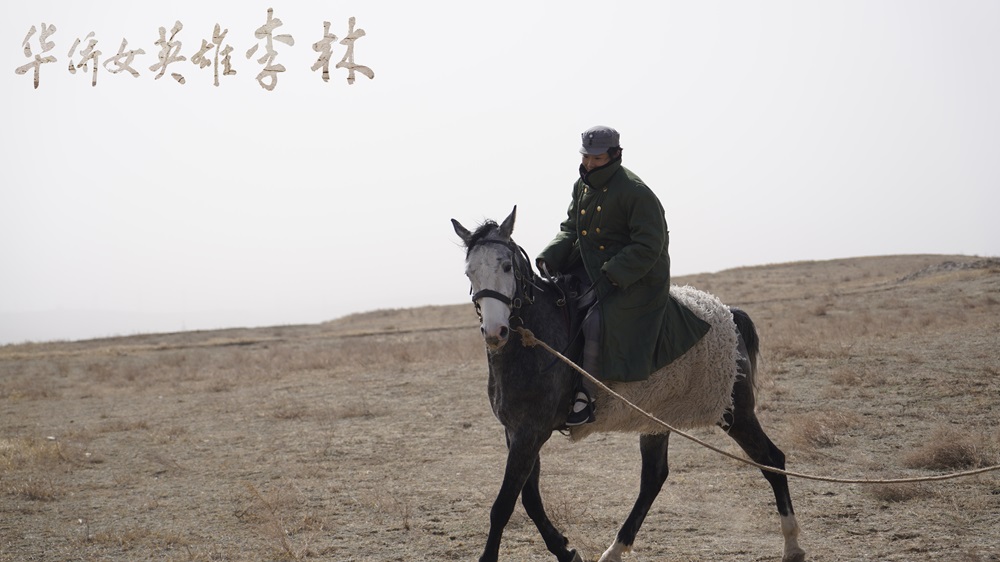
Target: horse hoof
(797, 555)
(572, 556)
(614, 553)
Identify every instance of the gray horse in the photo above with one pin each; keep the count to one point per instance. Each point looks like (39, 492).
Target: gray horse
(712, 384)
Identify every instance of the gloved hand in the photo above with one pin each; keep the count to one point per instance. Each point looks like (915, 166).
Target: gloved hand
(543, 267)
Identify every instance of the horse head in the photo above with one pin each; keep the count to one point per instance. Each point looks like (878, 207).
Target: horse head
(497, 268)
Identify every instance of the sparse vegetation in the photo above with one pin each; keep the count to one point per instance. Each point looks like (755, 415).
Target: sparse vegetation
(370, 437)
(34, 488)
(822, 429)
(897, 493)
(951, 449)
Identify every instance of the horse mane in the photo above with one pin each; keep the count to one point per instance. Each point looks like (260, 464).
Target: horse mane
(480, 234)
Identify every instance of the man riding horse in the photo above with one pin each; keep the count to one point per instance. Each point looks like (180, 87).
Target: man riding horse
(614, 241)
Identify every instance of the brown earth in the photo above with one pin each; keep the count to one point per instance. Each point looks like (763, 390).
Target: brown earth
(370, 437)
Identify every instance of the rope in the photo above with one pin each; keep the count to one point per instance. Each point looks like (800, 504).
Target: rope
(528, 339)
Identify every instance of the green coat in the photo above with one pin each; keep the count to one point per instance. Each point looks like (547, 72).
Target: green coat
(616, 225)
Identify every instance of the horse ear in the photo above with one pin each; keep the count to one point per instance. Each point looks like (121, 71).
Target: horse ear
(507, 226)
(461, 231)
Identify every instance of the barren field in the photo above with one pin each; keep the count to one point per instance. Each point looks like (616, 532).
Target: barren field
(370, 437)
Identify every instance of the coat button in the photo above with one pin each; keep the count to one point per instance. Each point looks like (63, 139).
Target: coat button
(597, 230)
(600, 247)
(598, 208)
(583, 211)
(583, 232)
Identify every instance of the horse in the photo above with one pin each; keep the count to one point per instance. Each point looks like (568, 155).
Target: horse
(530, 393)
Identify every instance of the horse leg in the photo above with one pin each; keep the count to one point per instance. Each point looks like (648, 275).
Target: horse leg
(531, 498)
(746, 430)
(654, 474)
(522, 454)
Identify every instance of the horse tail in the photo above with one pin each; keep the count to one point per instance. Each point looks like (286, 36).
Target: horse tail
(748, 331)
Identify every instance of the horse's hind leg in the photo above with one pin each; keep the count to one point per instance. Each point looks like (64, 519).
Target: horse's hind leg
(746, 430)
(531, 499)
(654, 474)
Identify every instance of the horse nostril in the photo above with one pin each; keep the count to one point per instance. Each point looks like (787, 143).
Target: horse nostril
(504, 332)
(483, 330)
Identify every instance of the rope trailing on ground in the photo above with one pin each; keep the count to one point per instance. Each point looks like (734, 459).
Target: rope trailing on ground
(528, 339)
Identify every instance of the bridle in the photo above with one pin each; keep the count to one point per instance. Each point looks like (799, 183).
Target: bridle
(524, 289)
(524, 286)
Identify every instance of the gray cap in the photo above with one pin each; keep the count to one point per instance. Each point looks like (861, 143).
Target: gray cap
(597, 140)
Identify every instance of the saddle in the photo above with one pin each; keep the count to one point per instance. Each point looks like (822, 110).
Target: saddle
(575, 303)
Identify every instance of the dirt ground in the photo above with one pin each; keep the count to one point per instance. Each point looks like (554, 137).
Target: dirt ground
(370, 437)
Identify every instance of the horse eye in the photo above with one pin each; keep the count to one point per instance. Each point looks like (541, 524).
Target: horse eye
(507, 267)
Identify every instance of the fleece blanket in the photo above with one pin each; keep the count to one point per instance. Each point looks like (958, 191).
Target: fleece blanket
(694, 390)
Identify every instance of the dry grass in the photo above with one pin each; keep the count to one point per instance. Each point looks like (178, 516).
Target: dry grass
(822, 429)
(369, 438)
(23, 453)
(898, 493)
(130, 539)
(274, 516)
(34, 488)
(951, 449)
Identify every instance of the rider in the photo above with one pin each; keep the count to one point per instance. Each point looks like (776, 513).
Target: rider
(614, 240)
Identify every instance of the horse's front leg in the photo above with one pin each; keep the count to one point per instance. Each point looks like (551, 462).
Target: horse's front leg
(522, 454)
(531, 497)
(654, 473)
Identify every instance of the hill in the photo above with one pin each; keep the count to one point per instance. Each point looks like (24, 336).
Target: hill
(370, 438)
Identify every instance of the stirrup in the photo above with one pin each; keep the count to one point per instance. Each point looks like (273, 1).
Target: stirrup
(583, 410)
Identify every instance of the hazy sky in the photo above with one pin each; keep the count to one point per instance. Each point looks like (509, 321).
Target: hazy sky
(772, 132)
